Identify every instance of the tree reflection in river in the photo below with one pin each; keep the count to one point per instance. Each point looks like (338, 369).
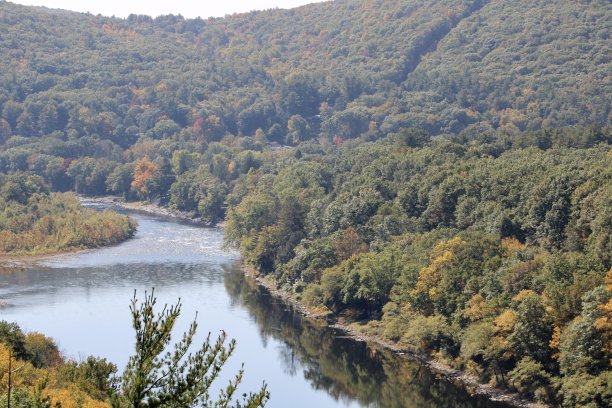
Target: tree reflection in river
(346, 369)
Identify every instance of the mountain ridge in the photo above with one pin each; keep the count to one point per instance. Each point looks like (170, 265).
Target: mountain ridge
(341, 60)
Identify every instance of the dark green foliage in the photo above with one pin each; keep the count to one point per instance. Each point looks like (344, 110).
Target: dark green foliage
(20, 187)
(21, 398)
(311, 257)
(530, 378)
(41, 350)
(35, 348)
(483, 260)
(582, 348)
(119, 181)
(12, 336)
(424, 334)
(583, 390)
(200, 191)
(532, 332)
(95, 376)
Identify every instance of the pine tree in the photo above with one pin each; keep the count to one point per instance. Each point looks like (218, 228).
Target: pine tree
(155, 377)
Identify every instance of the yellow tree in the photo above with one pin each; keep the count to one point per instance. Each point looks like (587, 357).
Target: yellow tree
(427, 287)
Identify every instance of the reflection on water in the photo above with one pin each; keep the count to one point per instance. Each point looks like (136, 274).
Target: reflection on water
(82, 301)
(346, 369)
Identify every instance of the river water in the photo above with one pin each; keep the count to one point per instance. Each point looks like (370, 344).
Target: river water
(82, 301)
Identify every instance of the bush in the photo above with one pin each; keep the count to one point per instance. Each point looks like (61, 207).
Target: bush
(12, 336)
(42, 350)
(313, 296)
(584, 390)
(427, 334)
(530, 378)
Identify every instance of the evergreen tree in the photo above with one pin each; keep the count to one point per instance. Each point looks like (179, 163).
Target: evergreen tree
(158, 378)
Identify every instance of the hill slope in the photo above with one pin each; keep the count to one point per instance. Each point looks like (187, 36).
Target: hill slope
(364, 66)
(526, 64)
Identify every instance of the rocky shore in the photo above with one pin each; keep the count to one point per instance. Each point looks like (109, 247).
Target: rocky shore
(471, 383)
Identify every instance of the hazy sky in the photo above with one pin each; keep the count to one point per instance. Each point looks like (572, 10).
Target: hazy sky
(187, 8)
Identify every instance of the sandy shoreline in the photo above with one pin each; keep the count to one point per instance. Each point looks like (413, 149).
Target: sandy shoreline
(18, 260)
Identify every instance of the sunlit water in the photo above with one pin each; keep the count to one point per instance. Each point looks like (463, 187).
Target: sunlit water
(82, 301)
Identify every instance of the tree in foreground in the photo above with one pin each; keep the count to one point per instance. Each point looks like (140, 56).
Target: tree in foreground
(157, 376)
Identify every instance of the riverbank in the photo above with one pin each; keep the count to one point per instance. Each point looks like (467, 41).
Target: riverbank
(10, 261)
(52, 224)
(460, 378)
(140, 206)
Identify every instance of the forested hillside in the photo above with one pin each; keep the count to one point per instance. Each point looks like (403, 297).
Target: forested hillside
(492, 255)
(523, 65)
(352, 62)
(436, 173)
(85, 98)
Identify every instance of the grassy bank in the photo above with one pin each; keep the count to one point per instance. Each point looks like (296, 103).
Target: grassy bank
(35, 222)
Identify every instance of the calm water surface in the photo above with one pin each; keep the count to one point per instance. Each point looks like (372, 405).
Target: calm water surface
(82, 301)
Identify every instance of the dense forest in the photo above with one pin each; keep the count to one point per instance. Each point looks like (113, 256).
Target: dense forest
(175, 110)
(434, 173)
(491, 255)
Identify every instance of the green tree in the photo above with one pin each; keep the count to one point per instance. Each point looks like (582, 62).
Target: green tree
(530, 378)
(532, 331)
(298, 128)
(41, 350)
(584, 390)
(13, 337)
(120, 179)
(370, 279)
(94, 375)
(5, 130)
(20, 187)
(582, 348)
(177, 378)
(183, 160)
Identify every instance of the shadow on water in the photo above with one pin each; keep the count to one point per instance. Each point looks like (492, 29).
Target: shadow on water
(343, 367)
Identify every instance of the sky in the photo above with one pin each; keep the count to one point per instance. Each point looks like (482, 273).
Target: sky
(154, 8)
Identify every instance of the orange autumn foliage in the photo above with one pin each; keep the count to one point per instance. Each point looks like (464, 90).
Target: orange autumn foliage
(144, 170)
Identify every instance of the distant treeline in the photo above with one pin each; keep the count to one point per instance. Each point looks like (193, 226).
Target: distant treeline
(345, 68)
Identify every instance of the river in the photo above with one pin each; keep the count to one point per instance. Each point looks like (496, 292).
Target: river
(82, 301)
